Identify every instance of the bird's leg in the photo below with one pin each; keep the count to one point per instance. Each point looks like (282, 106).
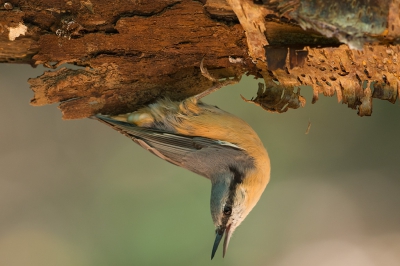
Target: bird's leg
(217, 86)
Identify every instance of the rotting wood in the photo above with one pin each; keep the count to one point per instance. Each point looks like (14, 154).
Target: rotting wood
(132, 52)
(351, 74)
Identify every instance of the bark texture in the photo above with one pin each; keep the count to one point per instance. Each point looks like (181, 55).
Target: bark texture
(134, 51)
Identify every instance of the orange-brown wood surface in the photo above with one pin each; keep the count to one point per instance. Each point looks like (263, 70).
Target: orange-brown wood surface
(131, 52)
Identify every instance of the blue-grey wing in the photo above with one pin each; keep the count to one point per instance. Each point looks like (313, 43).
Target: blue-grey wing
(198, 154)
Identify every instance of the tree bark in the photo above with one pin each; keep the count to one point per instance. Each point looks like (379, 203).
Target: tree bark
(134, 51)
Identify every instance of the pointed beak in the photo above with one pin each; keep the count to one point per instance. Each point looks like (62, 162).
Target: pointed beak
(218, 238)
(219, 233)
(228, 234)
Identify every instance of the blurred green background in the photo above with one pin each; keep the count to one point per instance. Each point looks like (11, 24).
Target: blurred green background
(79, 193)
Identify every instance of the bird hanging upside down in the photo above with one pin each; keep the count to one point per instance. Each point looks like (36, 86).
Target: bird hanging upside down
(210, 142)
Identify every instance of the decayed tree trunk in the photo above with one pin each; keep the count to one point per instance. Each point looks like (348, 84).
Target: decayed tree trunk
(133, 51)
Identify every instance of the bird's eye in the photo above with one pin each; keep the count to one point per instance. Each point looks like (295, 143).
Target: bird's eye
(227, 210)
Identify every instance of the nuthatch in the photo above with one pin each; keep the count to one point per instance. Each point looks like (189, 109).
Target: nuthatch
(210, 142)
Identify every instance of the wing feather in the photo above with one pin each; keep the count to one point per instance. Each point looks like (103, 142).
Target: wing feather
(171, 147)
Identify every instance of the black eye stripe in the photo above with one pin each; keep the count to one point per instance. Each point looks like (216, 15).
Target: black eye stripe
(238, 176)
(237, 179)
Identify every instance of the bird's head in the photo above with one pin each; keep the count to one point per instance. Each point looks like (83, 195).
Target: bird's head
(232, 198)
